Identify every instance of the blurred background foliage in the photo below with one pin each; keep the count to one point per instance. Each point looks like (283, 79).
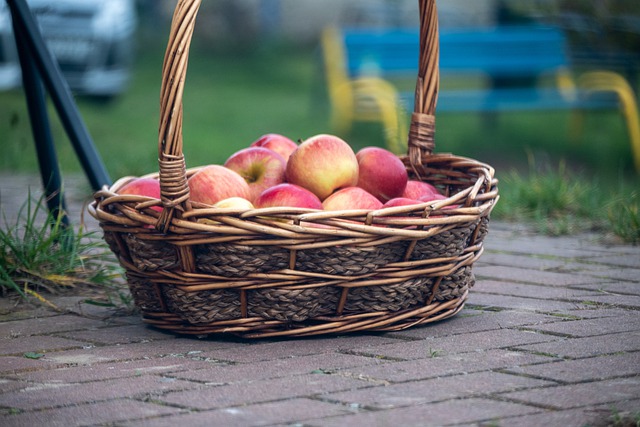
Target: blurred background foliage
(255, 68)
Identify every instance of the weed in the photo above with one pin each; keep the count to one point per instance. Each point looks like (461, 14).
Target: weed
(622, 419)
(433, 353)
(560, 201)
(39, 253)
(624, 217)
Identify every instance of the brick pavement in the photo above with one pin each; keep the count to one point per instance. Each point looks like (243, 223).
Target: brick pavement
(550, 336)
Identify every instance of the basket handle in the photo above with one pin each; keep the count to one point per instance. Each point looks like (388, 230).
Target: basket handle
(174, 189)
(421, 138)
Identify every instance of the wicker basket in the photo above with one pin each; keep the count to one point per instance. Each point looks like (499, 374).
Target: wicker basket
(198, 270)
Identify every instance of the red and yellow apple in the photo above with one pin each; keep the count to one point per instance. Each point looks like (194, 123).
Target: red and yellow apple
(381, 173)
(213, 183)
(234, 203)
(323, 164)
(260, 167)
(290, 195)
(276, 142)
(148, 187)
(351, 198)
(418, 189)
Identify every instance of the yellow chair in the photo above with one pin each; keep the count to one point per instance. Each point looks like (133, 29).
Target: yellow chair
(359, 99)
(608, 81)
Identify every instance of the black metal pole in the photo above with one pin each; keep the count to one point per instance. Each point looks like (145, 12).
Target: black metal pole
(41, 129)
(60, 95)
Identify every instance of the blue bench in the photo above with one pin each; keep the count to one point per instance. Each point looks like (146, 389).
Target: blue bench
(507, 66)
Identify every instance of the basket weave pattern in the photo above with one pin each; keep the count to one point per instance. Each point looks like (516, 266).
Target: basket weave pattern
(295, 272)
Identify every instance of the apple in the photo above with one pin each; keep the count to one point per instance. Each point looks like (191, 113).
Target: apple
(417, 190)
(276, 142)
(351, 198)
(234, 202)
(260, 167)
(401, 201)
(381, 173)
(213, 183)
(148, 187)
(287, 194)
(431, 197)
(323, 164)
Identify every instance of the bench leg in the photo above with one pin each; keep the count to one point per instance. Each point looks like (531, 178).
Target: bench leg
(377, 100)
(613, 82)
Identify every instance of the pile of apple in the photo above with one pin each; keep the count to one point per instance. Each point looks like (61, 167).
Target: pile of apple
(322, 172)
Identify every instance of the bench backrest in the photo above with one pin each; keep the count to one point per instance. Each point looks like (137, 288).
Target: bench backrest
(500, 51)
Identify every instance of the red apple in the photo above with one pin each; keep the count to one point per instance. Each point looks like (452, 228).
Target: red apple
(278, 143)
(401, 201)
(417, 190)
(381, 173)
(260, 167)
(286, 194)
(351, 198)
(149, 187)
(323, 164)
(431, 197)
(214, 183)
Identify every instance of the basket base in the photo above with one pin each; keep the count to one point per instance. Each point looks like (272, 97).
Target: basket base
(250, 328)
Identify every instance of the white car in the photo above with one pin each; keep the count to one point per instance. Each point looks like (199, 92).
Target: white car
(92, 41)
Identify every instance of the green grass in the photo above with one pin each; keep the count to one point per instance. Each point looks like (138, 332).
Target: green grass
(40, 255)
(561, 201)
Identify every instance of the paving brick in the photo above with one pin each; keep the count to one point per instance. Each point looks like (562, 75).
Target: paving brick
(479, 300)
(588, 346)
(544, 246)
(626, 301)
(461, 343)
(446, 364)
(592, 327)
(103, 371)
(10, 310)
(590, 369)
(47, 325)
(631, 259)
(212, 397)
(39, 344)
(244, 372)
(625, 288)
(435, 389)
(48, 395)
(521, 261)
(178, 347)
(452, 412)
(11, 364)
(99, 413)
(566, 418)
(524, 275)
(469, 320)
(583, 394)
(269, 350)
(631, 275)
(534, 291)
(597, 312)
(119, 334)
(9, 385)
(250, 415)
